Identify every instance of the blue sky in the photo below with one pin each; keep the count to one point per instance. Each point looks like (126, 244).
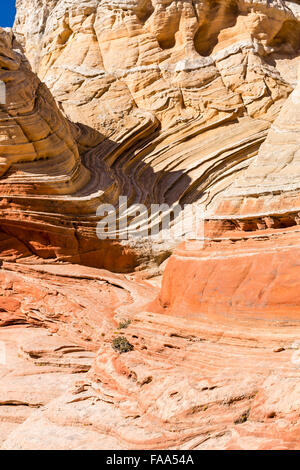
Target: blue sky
(7, 13)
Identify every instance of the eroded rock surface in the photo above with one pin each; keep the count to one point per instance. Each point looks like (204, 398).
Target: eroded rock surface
(190, 102)
(179, 97)
(196, 382)
(249, 258)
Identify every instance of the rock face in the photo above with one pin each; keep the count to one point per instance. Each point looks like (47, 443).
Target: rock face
(196, 382)
(165, 102)
(178, 117)
(249, 259)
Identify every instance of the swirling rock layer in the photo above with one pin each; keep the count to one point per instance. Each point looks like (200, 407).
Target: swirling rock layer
(249, 258)
(175, 120)
(200, 382)
(191, 102)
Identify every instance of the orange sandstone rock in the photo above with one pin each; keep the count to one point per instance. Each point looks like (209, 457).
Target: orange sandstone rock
(190, 102)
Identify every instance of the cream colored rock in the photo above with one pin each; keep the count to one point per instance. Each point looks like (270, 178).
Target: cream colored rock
(181, 94)
(33, 129)
(162, 101)
(270, 185)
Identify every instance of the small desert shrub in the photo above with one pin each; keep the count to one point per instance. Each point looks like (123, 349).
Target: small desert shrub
(243, 418)
(121, 344)
(124, 324)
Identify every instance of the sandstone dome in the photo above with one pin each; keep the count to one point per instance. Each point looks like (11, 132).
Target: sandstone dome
(176, 102)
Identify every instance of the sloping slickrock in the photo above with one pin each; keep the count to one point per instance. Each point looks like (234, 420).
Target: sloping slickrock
(189, 383)
(249, 260)
(162, 101)
(181, 94)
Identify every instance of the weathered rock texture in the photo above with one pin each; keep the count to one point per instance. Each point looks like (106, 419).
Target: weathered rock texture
(201, 382)
(181, 94)
(249, 259)
(186, 101)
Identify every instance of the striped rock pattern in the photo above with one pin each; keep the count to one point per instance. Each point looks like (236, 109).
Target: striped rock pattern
(163, 101)
(178, 97)
(191, 382)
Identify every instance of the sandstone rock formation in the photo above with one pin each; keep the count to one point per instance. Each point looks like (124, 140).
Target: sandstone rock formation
(190, 383)
(163, 101)
(161, 112)
(256, 223)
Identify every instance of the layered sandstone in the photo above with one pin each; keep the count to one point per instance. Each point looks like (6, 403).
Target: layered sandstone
(163, 101)
(189, 383)
(248, 260)
(182, 95)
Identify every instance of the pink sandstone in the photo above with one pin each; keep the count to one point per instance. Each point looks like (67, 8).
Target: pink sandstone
(163, 101)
